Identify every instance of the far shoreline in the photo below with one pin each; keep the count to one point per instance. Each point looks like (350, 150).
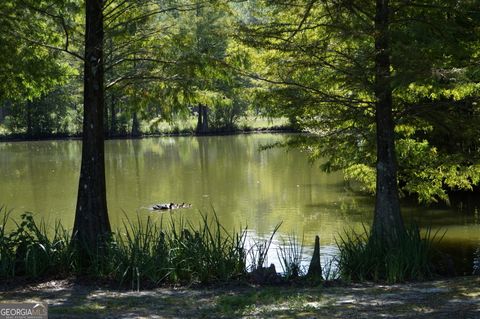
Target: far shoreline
(66, 137)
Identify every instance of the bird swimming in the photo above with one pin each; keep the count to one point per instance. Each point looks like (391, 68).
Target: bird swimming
(170, 206)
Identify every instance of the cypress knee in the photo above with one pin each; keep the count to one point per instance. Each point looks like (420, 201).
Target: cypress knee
(315, 268)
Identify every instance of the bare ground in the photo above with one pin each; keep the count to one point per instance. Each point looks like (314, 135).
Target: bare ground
(452, 298)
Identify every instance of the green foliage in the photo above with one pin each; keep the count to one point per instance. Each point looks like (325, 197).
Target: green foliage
(316, 60)
(179, 58)
(36, 80)
(366, 257)
(52, 113)
(425, 170)
(159, 58)
(29, 251)
(28, 70)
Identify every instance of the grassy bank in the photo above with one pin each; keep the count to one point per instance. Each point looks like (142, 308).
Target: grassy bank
(147, 254)
(141, 254)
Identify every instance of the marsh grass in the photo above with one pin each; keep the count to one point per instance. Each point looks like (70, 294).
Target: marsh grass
(365, 257)
(146, 253)
(149, 253)
(330, 270)
(141, 253)
(258, 252)
(290, 254)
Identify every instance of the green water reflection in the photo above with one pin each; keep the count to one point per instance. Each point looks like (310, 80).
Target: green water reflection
(245, 186)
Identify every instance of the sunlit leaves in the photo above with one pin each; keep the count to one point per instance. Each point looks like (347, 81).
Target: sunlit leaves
(318, 60)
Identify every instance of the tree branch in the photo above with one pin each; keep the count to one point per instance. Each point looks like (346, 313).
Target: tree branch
(141, 59)
(304, 19)
(64, 27)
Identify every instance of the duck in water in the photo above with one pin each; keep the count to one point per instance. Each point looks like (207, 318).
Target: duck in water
(163, 206)
(170, 206)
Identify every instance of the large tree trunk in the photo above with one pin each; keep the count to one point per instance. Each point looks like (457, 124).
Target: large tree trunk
(106, 125)
(387, 223)
(92, 226)
(202, 122)
(135, 125)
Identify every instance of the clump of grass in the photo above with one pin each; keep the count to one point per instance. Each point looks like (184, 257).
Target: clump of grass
(290, 254)
(366, 257)
(139, 254)
(29, 251)
(136, 254)
(259, 251)
(330, 270)
(179, 253)
(7, 252)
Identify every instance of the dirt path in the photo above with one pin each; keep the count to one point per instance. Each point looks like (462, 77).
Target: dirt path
(453, 298)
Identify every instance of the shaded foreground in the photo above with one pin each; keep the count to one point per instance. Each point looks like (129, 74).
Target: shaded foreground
(453, 298)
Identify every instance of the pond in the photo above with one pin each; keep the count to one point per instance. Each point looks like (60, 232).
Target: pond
(227, 175)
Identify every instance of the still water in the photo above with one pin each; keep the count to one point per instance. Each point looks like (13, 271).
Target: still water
(246, 187)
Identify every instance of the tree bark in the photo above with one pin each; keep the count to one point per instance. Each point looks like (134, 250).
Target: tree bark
(205, 119)
(92, 226)
(135, 125)
(388, 222)
(106, 125)
(199, 118)
(202, 122)
(315, 268)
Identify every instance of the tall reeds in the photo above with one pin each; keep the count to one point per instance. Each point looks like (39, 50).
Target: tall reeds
(138, 254)
(290, 254)
(365, 257)
(146, 252)
(173, 251)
